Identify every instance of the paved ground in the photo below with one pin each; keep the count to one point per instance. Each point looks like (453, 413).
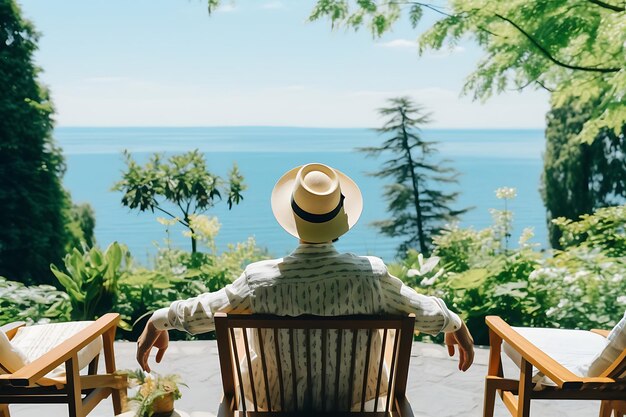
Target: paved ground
(436, 387)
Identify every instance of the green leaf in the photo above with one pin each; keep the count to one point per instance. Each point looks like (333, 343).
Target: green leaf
(471, 279)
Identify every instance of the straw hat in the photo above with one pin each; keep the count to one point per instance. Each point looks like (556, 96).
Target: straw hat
(316, 203)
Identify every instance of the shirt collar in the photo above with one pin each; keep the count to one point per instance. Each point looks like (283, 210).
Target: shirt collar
(314, 249)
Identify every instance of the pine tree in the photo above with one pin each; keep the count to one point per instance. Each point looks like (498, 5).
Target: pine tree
(418, 205)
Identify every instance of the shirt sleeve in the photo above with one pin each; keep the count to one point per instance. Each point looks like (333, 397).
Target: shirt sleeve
(195, 315)
(432, 316)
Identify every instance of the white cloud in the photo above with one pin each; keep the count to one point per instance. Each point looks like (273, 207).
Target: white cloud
(398, 43)
(273, 5)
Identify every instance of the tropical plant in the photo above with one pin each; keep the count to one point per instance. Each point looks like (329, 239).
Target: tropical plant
(418, 206)
(91, 279)
(154, 392)
(183, 181)
(34, 304)
(35, 226)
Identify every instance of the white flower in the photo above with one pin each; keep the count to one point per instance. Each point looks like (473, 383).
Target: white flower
(427, 282)
(167, 222)
(617, 278)
(569, 279)
(562, 303)
(506, 193)
(527, 234)
(621, 299)
(179, 269)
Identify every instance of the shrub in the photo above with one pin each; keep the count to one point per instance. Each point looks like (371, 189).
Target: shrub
(34, 304)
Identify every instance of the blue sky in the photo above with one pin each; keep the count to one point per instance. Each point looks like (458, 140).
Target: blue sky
(255, 62)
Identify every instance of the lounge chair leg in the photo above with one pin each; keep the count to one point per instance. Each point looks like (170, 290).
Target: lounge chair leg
(74, 394)
(490, 398)
(526, 386)
(4, 410)
(118, 395)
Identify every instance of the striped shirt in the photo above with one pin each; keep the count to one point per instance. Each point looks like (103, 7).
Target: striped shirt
(314, 279)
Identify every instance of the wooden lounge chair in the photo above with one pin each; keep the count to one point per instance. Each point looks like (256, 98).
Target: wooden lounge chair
(383, 343)
(31, 383)
(556, 382)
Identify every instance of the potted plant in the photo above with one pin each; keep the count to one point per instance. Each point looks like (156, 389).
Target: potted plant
(156, 393)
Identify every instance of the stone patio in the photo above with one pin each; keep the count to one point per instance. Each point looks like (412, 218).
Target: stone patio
(436, 387)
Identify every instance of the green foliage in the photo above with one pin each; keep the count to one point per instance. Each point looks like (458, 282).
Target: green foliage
(579, 177)
(35, 207)
(417, 206)
(582, 286)
(81, 225)
(574, 49)
(183, 181)
(91, 279)
(605, 230)
(34, 304)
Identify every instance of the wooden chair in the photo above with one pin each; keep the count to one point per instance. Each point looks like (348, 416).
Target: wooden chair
(273, 339)
(80, 392)
(610, 387)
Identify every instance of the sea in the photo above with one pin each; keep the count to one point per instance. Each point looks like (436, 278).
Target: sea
(485, 159)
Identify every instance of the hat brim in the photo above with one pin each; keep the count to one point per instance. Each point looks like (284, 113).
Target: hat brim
(316, 232)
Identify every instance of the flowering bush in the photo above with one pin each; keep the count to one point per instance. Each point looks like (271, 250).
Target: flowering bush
(477, 273)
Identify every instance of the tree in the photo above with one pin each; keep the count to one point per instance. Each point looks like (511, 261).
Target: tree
(183, 181)
(579, 178)
(576, 49)
(418, 209)
(35, 227)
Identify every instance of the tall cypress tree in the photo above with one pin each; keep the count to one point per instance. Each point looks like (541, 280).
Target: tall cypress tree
(35, 208)
(418, 205)
(580, 177)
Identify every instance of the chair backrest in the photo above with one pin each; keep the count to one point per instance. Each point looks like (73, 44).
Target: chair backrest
(326, 364)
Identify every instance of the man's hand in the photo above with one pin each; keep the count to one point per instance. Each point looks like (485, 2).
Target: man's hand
(463, 338)
(151, 337)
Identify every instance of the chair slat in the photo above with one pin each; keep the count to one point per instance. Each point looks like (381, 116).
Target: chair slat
(239, 378)
(280, 369)
(396, 338)
(337, 375)
(380, 368)
(309, 389)
(293, 370)
(324, 331)
(250, 371)
(268, 400)
(366, 370)
(267, 321)
(355, 334)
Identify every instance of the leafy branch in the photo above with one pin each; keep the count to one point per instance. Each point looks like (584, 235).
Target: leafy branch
(547, 54)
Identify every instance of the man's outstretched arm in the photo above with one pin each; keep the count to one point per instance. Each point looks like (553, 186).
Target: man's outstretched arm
(194, 315)
(432, 316)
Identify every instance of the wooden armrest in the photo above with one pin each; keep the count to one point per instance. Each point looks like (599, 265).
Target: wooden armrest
(601, 332)
(11, 328)
(562, 376)
(38, 368)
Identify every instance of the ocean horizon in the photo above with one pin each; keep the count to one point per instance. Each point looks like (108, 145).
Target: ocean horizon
(486, 159)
